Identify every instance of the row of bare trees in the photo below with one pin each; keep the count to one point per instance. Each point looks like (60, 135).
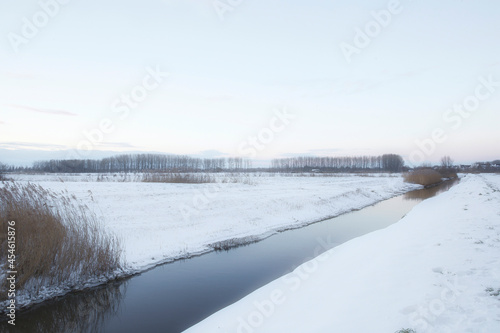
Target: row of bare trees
(144, 162)
(387, 162)
(183, 163)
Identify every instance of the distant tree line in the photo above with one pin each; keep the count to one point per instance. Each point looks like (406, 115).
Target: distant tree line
(387, 162)
(485, 167)
(144, 162)
(3, 168)
(183, 163)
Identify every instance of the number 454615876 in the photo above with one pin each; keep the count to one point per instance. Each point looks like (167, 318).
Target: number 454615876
(11, 239)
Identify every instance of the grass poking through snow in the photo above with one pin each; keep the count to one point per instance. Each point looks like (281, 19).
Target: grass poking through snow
(185, 178)
(59, 242)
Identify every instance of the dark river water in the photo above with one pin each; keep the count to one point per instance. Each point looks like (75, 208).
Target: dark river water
(175, 296)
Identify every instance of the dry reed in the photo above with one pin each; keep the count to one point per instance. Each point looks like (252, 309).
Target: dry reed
(59, 242)
(424, 177)
(184, 178)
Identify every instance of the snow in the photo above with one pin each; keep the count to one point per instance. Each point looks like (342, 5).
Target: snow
(436, 270)
(159, 222)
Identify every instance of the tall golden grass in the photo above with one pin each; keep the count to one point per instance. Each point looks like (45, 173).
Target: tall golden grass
(58, 241)
(424, 177)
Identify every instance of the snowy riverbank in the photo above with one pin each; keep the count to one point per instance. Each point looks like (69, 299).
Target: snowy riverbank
(437, 270)
(161, 222)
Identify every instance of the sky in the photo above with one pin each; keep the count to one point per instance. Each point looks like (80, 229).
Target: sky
(260, 79)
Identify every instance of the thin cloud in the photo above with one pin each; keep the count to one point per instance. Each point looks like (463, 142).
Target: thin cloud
(416, 72)
(358, 86)
(17, 75)
(313, 153)
(30, 145)
(219, 98)
(2, 122)
(46, 111)
(324, 151)
(210, 154)
(117, 144)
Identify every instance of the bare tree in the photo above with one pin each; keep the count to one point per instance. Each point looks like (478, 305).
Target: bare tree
(446, 162)
(392, 162)
(3, 168)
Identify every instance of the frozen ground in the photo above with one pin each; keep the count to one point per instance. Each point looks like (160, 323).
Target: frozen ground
(436, 270)
(159, 222)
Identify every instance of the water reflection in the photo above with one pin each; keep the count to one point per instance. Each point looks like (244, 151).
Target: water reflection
(430, 192)
(85, 311)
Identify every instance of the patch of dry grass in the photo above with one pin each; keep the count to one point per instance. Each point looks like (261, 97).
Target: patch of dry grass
(58, 241)
(228, 244)
(424, 177)
(448, 173)
(182, 178)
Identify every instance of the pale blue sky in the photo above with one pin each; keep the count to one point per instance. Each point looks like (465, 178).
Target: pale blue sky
(227, 77)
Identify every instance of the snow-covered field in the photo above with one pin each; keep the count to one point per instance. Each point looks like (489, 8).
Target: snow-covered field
(436, 270)
(160, 222)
